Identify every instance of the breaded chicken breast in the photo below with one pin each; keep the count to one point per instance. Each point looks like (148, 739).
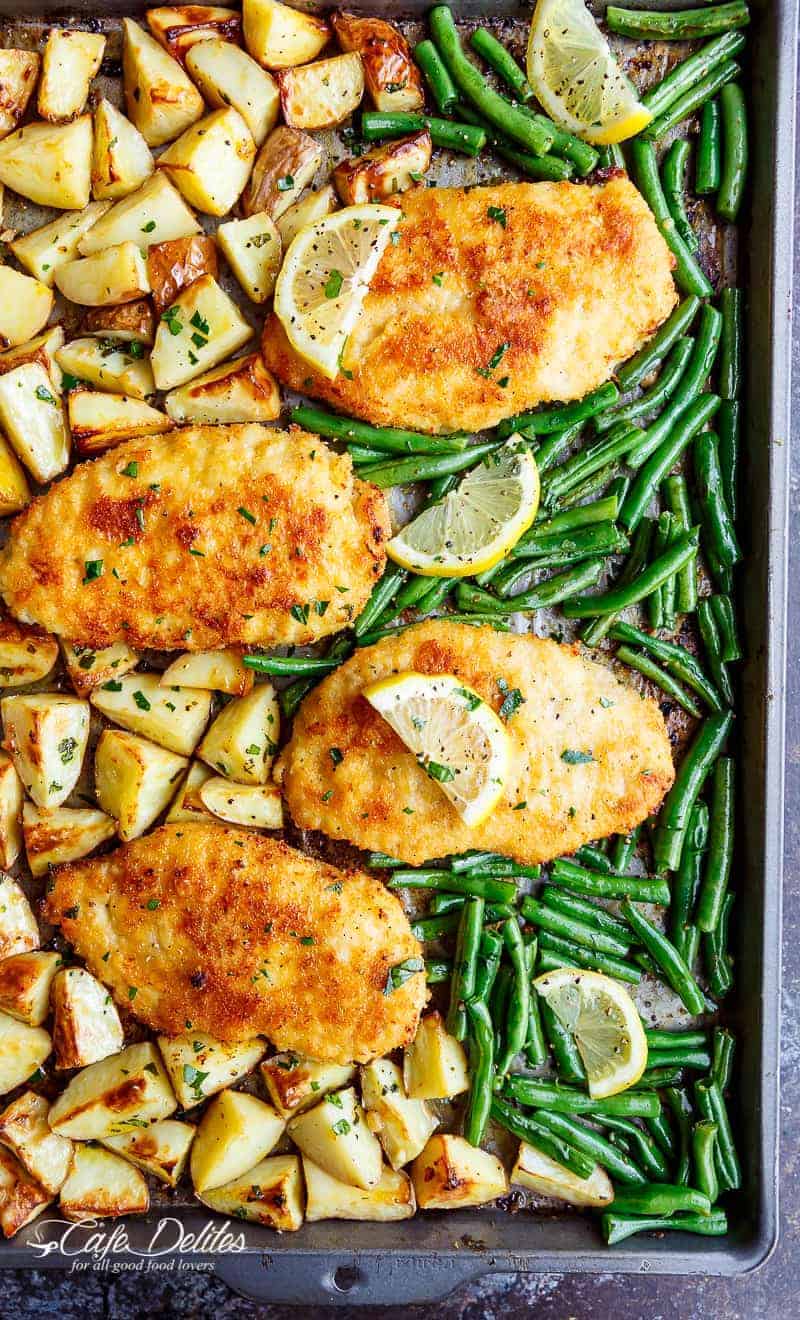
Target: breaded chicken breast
(207, 537)
(495, 300)
(241, 935)
(590, 756)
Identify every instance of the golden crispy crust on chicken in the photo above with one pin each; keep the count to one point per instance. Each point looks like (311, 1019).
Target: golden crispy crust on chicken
(566, 279)
(590, 756)
(241, 935)
(211, 536)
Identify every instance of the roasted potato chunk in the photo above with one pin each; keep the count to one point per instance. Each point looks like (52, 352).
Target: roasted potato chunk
(228, 76)
(134, 780)
(86, 1025)
(25, 983)
(117, 275)
(64, 834)
(237, 392)
(186, 804)
(335, 1135)
(19, 932)
(284, 166)
(256, 806)
(121, 159)
(14, 491)
(253, 251)
(154, 213)
(25, 305)
(174, 265)
(46, 734)
(122, 1092)
(322, 94)
(51, 164)
(540, 1174)
(71, 60)
(23, 1049)
(178, 28)
(25, 1131)
(393, 79)
(42, 349)
(235, 1133)
(102, 1185)
(328, 1198)
(434, 1064)
(314, 206)
(21, 1199)
(32, 417)
(401, 1125)
(201, 328)
(161, 1149)
(98, 421)
(160, 99)
(280, 37)
(88, 669)
(210, 163)
(26, 654)
(43, 250)
(450, 1174)
(199, 1065)
(213, 671)
(117, 367)
(173, 717)
(295, 1083)
(241, 743)
(384, 170)
(11, 796)
(271, 1194)
(19, 70)
(129, 322)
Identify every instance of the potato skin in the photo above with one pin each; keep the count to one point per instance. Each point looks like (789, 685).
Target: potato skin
(393, 79)
(176, 264)
(287, 154)
(383, 171)
(134, 319)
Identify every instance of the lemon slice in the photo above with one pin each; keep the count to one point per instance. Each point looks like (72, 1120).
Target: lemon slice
(576, 78)
(455, 736)
(325, 277)
(474, 526)
(602, 1017)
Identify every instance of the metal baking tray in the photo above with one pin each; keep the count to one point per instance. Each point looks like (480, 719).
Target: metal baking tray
(425, 1258)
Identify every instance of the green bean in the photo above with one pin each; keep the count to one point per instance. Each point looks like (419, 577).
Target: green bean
(541, 1093)
(697, 370)
(685, 75)
(692, 100)
(438, 970)
(680, 1056)
(480, 886)
(733, 175)
(680, 1107)
(445, 903)
(436, 595)
(728, 422)
(499, 912)
(504, 866)
(561, 480)
(689, 945)
(720, 846)
(581, 908)
(568, 1061)
(503, 63)
(441, 486)
(716, 518)
(296, 665)
(639, 554)
(704, 1142)
(471, 83)
(641, 888)
(688, 275)
(687, 878)
(677, 497)
(467, 861)
(667, 958)
(595, 537)
(593, 485)
(709, 631)
(571, 928)
(657, 395)
(709, 144)
(291, 696)
(560, 587)
(661, 539)
(433, 928)
(638, 660)
(548, 420)
(647, 1152)
(656, 1077)
(421, 467)
(533, 1131)
(382, 861)
(730, 357)
(586, 515)
(535, 1045)
(490, 950)
(574, 149)
(481, 1070)
(722, 1060)
(664, 458)
(462, 985)
(388, 439)
(555, 952)
(441, 85)
(711, 1104)
(717, 960)
(376, 125)
(725, 619)
(554, 444)
(591, 1143)
(409, 595)
(586, 543)
(634, 371)
(382, 594)
(660, 1199)
(519, 999)
(495, 621)
(611, 157)
(661, 1132)
(624, 850)
(673, 179)
(498, 1003)
(535, 166)
(616, 1228)
(619, 598)
(677, 24)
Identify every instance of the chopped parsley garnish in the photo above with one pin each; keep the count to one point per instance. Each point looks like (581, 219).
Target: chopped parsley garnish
(333, 284)
(401, 972)
(93, 569)
(512, 699)
(141, 700)
(573, 756)
(173, 321)
(131, 469)
(149, 227)
(471, 699)
(153, 903)
(44, 394)
(66, 749)
(494, 361)
(336, 755)
(300, 613)
(497, 213)
(286, 183)
(251, 517)
(194, 1078)
(441, 773)
(341, 1128)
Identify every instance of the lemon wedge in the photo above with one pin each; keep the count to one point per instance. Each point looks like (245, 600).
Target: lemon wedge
(474, 526)
(575, 77)
(606, 1026)
(325, 278)
(457, 738)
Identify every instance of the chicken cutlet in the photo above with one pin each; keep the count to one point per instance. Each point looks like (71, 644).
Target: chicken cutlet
(207, 537)
(242, 936)
(589, 755)
(494, 300)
